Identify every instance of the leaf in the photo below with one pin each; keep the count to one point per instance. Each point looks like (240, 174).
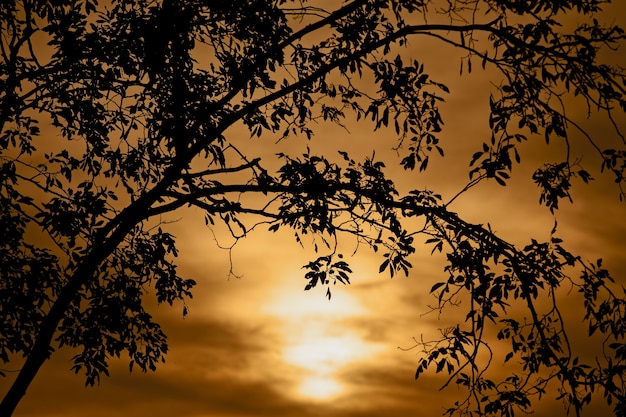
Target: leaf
(475, 157)
(440, 365)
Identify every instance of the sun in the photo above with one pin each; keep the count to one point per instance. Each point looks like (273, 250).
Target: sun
(319, 357)
(319, 342)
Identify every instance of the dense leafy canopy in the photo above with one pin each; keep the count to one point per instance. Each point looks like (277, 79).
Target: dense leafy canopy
(113, 114)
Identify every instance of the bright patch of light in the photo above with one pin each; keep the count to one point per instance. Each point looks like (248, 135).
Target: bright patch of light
(318, 387)
(322, 354)
(318, 341)
(297, 305)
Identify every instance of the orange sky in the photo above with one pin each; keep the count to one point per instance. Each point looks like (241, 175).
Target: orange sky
(259, 345)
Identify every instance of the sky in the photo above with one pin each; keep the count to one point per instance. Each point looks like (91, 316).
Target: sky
(255, 344)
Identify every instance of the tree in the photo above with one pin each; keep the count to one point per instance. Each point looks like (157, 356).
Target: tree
(115, 114)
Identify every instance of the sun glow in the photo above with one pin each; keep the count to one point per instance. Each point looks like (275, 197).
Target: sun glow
(321, 356)
(318, 387)
(319, 343)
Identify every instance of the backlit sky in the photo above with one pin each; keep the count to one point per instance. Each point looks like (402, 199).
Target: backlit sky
(258, 345)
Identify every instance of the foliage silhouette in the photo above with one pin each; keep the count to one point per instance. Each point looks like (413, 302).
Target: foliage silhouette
(113, 115)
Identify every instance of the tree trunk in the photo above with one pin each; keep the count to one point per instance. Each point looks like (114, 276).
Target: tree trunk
(42, 348)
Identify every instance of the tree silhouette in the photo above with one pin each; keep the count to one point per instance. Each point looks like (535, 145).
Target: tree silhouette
(114, 114)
